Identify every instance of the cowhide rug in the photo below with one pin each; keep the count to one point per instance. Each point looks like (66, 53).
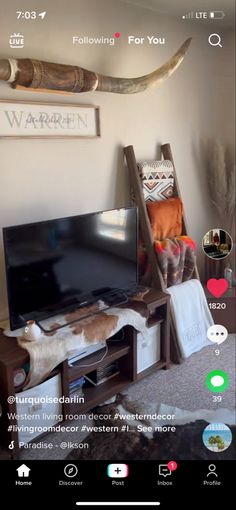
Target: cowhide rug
(50, 349)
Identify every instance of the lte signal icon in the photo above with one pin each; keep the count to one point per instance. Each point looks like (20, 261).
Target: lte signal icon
(16, 41)
(189, 15)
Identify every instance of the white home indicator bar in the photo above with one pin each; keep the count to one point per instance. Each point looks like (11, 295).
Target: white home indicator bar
(118, 503)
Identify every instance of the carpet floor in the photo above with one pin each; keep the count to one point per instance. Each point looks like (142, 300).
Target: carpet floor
(182, 386)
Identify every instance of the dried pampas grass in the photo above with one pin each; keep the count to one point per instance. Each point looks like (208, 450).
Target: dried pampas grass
(221, 180)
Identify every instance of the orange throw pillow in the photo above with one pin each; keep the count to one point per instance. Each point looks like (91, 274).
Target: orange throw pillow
(165, 218)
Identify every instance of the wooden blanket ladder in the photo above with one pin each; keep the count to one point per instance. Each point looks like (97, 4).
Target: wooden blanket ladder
(138, 196)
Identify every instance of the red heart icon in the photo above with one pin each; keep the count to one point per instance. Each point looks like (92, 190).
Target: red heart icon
(217, 287)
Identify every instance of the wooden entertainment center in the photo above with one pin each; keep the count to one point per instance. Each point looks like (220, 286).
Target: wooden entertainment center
(123, 350)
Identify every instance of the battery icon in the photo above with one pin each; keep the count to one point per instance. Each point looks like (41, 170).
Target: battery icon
(216, 15)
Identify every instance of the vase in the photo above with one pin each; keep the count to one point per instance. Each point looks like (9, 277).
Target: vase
(32, 332)
(228, 275)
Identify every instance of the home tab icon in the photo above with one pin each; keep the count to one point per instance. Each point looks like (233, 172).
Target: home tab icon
(23, 471)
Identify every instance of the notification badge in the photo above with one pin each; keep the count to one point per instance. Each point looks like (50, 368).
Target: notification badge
(172, 465)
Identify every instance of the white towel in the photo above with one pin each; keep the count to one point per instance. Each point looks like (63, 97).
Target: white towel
(191, 316)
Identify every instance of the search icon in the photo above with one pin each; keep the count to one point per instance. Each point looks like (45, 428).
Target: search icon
(215, 40)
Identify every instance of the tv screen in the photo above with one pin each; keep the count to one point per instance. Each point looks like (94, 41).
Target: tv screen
(62, 263)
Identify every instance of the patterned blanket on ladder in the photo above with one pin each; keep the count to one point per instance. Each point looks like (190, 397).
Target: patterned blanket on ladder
(177, 255)
(176, 258)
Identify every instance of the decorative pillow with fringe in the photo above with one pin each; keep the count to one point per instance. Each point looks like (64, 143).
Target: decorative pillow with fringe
(157, 180)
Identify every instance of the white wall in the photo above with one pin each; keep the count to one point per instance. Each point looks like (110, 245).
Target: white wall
(42, 179)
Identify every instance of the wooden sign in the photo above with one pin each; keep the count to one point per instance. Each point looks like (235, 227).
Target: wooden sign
(46, 120)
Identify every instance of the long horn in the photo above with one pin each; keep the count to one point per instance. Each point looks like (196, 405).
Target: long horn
(59, 77)
(133, 85)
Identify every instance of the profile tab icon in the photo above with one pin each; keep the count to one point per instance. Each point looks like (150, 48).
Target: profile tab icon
(212, 471)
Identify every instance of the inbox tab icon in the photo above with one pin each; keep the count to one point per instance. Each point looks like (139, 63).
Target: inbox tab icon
(117, 470)
(164, 470)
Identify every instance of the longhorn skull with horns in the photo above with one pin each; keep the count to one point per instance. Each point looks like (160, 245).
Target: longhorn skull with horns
(36, 74)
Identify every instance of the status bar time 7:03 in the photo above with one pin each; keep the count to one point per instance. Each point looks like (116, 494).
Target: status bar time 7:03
(30, 15)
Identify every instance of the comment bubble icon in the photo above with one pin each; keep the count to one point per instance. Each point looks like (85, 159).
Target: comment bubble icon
(217, 334)
(217, 381)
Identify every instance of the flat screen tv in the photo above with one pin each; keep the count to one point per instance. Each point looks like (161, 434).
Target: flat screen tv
(64, 263)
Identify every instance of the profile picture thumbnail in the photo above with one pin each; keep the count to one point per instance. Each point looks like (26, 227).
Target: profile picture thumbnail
(217, 437)
(217, 243)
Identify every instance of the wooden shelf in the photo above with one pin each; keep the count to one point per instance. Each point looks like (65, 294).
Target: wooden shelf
(153, 321)
(94, 395)
(116, 350)
(149, 370)
(11, 354)
(123, 350)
